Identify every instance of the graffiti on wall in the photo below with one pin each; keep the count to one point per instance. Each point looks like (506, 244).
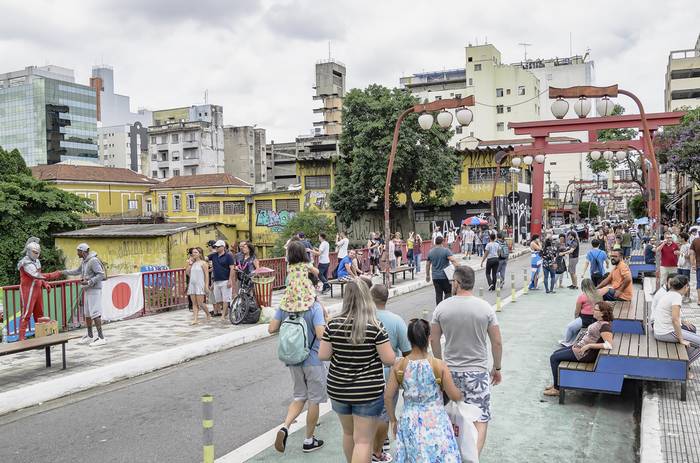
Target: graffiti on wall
(317, 199)
(274, 220)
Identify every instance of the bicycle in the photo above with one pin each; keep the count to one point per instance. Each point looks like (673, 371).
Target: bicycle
(244, 308)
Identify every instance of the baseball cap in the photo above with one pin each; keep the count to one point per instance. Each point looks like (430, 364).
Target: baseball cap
(219, 243)
(211, 243)
(83, 247)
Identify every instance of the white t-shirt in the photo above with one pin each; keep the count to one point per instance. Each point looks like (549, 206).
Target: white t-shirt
(661, 292)
(435, 235)
(324, 248)
(468, 236)
(663, 321)
(450, 237)
(392, 248)
(342, 247)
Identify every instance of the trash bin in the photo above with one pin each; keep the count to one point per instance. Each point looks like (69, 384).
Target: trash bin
(262, 285)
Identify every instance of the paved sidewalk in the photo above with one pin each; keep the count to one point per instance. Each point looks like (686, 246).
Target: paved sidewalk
(526, 426)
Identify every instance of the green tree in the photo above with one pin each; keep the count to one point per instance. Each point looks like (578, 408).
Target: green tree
(311, 222)
(601, 165)
(679, 146)
(638, 205)
(424, 162)
(588, 209)
(31, 207)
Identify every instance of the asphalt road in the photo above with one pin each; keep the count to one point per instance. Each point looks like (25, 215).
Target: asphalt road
(157, 417)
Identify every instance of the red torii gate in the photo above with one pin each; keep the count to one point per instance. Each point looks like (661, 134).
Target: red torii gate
(540, 130)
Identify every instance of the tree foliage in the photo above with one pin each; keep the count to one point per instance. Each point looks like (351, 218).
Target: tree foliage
(601, 165)
(588, 209)
(424, 163)
(679, 146)
(31, 207)
(638, 205)
(311, 222)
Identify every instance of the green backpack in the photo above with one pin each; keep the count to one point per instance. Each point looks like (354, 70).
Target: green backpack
(293, 343)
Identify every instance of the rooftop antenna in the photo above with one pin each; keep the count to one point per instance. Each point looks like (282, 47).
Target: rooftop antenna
(329, 50)
(206, 96)
(571, 46)
(525, 45)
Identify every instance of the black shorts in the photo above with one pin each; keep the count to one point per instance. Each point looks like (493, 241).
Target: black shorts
(398, 253)
(374, 260)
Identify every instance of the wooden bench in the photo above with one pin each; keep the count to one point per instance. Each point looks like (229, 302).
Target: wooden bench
(633, 356)
(403, 269)
(340, 283)
(630, 316)
(44, 342)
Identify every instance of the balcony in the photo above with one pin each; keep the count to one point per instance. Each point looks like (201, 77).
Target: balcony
(190, 144)
(190, 161)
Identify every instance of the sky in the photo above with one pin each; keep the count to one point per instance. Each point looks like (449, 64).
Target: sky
(256, 58)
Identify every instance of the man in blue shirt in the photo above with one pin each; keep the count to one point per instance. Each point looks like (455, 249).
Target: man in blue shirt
(598, 260)
(398, 338)
(309, 379)
(345, 270)
(439, 259)
(223, 275)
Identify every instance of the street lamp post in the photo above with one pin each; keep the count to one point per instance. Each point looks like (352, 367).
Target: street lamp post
(425, 120)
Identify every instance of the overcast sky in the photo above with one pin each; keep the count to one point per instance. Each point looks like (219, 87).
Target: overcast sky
(256, 58)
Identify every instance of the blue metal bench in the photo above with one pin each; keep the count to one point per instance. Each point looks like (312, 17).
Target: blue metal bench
(629, 317)
(633, 356)
(641, 268)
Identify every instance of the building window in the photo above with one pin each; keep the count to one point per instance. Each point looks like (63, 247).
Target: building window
(176, 155)
(153, 139)
(471, 81)
(234, 207)
(163, 203)
(457, 178)
(438, 98)
(133, 204)
(500, 127)
(291, 205)
(176, 203)
(263, 205)
(458, 95)
(149, 206)
(190, 202)
(508, 109)
(317, 182)
(507, 91)
(154, 157)
(499, 109)
(209, 208)
(193, 171)
(162, 139)
(499, 92)
(477, 67)
(175, 138)
(486, 174)
(458, 129)
(521, 90)
(154, 174)
(176, 172)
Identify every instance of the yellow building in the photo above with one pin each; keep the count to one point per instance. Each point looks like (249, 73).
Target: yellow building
(113, 192)
(317, 178)
(126, 248)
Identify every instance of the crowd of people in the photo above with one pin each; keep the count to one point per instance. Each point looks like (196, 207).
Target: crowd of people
(360, 359)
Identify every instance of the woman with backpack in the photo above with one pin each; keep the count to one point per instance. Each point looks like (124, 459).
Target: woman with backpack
(424, 432)
(357, 345)
(300, 321)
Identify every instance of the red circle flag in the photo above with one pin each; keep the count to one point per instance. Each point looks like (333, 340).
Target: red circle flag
(121, 295)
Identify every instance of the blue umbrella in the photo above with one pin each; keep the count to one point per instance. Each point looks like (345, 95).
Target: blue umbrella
(473, 221)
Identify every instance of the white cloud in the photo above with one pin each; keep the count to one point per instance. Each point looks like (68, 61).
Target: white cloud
(257, 58)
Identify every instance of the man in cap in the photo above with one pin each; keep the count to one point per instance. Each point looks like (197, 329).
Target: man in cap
(31, 283)
(91, 272)
(223, 267)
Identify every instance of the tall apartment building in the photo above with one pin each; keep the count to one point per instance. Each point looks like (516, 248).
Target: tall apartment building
(114, 109)
(330, 89)
(47, 116)
(123, 146)
(282, 163)
(683, 79)
(244, 154)
(186, 141)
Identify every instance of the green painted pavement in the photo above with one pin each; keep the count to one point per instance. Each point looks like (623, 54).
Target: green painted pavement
(526, 426)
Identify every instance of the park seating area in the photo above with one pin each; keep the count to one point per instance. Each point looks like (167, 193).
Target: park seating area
(403, 269)
(44, 342)
(634, 355)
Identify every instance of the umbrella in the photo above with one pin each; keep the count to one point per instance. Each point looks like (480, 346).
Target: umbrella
(474, 221)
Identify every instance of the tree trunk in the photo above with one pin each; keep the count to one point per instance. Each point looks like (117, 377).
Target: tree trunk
(409, 212)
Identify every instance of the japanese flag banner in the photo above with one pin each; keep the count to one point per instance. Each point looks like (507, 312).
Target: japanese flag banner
(122, 296)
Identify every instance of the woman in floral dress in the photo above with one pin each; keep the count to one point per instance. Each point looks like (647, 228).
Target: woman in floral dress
(424, 433)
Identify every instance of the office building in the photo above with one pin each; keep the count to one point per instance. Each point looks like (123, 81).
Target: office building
(281, 163)
(47, 116)
(186, 141)
(683, 79)
(244, 154)
(123, 146)
(114, 109)
(330, 89)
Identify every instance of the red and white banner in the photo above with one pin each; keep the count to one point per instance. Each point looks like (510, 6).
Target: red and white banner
(122, 296)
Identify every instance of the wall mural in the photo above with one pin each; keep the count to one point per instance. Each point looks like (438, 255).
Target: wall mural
(319, 199)
(274, 220)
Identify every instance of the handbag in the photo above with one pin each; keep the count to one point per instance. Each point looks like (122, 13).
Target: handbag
(462, 416)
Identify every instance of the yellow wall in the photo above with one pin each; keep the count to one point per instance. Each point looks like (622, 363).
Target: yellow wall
(127, 255)
(110, 199)
(202, 194)
(316, 198)
(267, 224)
(177, 114)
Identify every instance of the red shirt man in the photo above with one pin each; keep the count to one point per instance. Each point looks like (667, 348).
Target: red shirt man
(669, 253)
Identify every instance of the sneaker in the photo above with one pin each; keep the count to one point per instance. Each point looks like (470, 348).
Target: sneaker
(382, 457)
(86, 340)
(386, 447)
(314, 445)
(565, 344)
(98, 342)
(281, 440)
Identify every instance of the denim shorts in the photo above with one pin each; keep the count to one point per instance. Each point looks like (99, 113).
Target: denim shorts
(371, 409)
(697, 277)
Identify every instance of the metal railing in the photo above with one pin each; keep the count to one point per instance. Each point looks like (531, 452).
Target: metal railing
(163, 289)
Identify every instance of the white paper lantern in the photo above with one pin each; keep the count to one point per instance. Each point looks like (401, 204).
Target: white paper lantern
(559, 108)
(464, 116)
(425, 121)
(539, 159)
(516, 162)
(608, 155)
(582, 107)
(604, 107)
(595, 155)
(444, 119)
(620, 155)
(527, 160)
